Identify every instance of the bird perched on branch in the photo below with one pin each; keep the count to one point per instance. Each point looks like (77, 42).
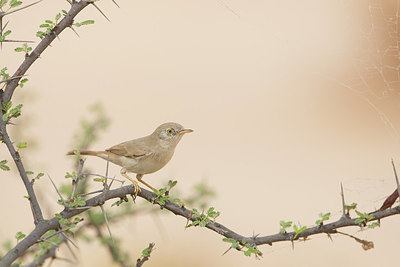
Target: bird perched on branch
(143, 155)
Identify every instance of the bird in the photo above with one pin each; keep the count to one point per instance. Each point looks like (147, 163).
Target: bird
(142, 155)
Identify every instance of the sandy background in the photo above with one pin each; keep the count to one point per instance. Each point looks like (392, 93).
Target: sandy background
(287, 99)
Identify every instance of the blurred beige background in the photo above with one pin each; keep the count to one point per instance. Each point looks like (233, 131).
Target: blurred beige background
(287, 99)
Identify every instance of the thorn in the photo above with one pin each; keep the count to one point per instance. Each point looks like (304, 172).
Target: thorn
(58, 192)
(104, 15)
(330, 237)
(18, 9)
(18, 41)
(188, 219)
(74, 31)
(226, 251)
(397, 178)
(343, 203)
(108, 227)
(115, 3)
(12, 78)
(69, 240)
(2, 29)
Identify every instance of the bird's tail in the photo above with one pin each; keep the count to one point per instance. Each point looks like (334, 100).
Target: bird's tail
(84, 152)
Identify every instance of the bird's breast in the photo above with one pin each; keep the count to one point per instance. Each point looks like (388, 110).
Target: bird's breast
(151, 163)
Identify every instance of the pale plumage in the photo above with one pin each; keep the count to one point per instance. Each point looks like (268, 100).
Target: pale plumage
(143, 155)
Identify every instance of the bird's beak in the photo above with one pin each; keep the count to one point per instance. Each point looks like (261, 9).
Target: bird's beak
(185, 131)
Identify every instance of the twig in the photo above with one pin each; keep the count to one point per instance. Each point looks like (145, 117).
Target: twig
(124, 191)
(36, 210)
(12, 78)
(66, 22)
(66, 237)
(58, 192)
(18, 9)
(397, 178)
(139, 261)
(105, 219)
(343, 203)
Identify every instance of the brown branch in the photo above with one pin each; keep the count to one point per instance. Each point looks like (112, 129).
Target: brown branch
(139, 261)
(53, 224)
(36, 211)
(66, 22)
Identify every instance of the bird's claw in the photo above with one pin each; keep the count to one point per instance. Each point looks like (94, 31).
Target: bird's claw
(137, 188)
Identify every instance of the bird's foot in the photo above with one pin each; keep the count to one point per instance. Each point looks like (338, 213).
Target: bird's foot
(137, 188)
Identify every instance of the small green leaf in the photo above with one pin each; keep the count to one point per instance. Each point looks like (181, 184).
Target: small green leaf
(22, 145)
(86, 22)
(373, 225)
(19, 49)
(298, 231)
(19, 236)
(3, 165)
(29, 172)
(3, 2)
(23, 81)
(15, 3)
(5, 117)
(45, 25)
(39, 175)
(101, 180)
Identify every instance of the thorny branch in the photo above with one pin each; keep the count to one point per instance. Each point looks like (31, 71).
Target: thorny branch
(66, 22)
(53, 224)
(37, 212)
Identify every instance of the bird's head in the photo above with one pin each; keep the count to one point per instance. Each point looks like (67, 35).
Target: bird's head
(169, 134)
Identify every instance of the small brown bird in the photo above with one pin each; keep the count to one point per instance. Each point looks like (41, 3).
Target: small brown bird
(143, 155)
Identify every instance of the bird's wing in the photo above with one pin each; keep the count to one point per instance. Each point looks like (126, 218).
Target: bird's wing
(131, 149)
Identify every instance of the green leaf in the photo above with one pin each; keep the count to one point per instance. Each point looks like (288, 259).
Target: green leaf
(29, 172)
(6, 33)
(58, 16)
(284, 225)
(44, 25)
(99, 180)
(23, 81)
(39, 175)
(49, 22)
(373, 225)
(22, 145)
(172, 183)
(298, 231)
(3, 165)
(86, 22)
(41, 34)
(19, 236)
(5, 117)
(3, 2)
(15, 3)
(117, 203)
(19, 49)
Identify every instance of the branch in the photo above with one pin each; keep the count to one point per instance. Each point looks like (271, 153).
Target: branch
(53, 224)
(66, 22)
(145, 255)
(36, 211)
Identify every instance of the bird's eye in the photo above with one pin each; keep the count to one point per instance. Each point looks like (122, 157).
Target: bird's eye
(169, 131)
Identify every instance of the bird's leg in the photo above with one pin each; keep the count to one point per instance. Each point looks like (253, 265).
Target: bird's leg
(135, 184)
(139, 177)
